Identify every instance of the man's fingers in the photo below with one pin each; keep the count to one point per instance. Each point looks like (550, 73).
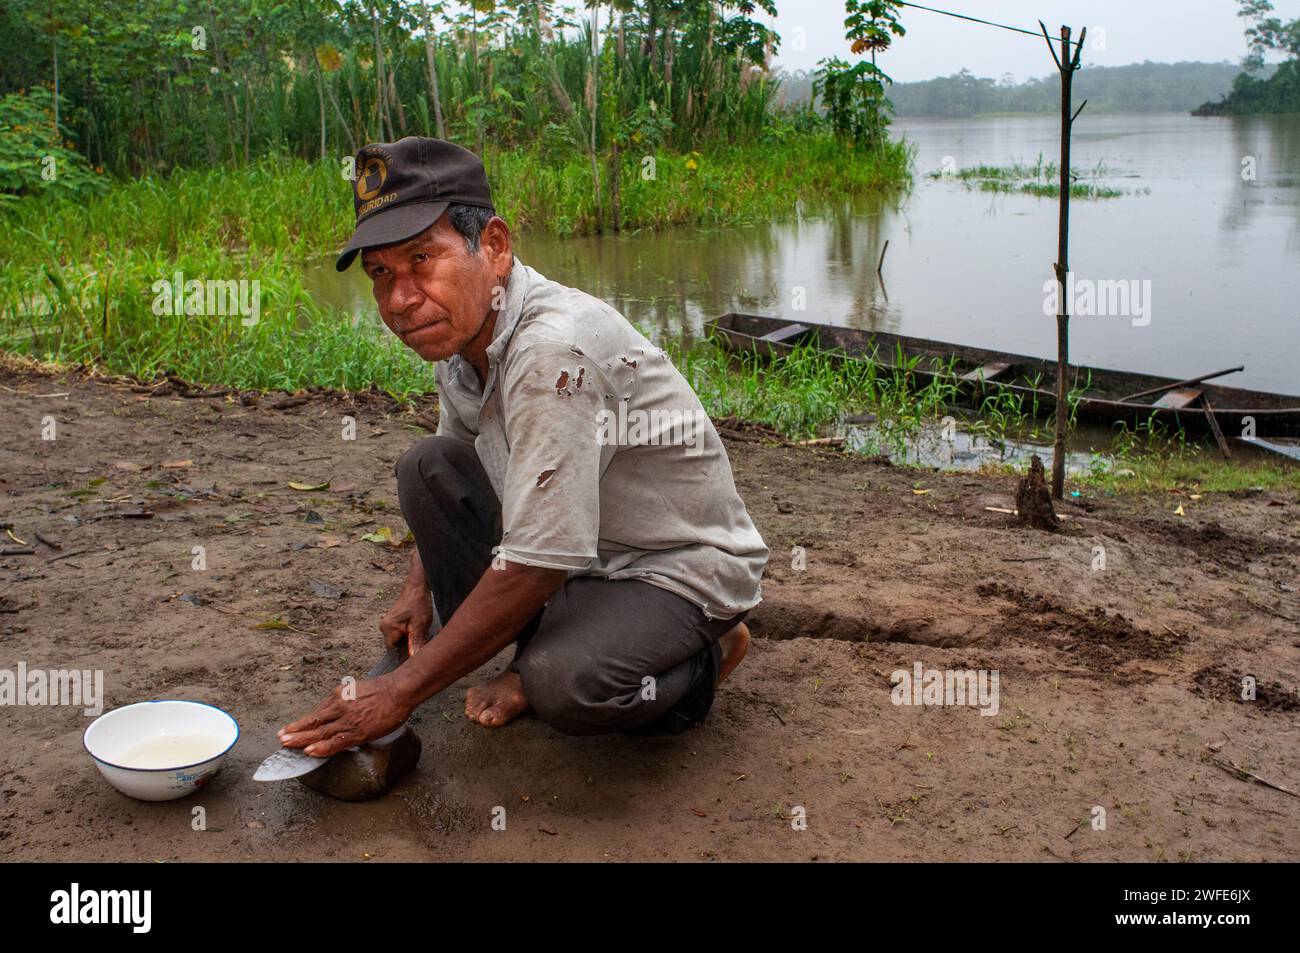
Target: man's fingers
(307, 721)
(333, 744)
(321, 729)
(319, 742)
(327, 711)
(392, 632)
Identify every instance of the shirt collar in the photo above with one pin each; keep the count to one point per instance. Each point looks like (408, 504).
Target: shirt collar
(512, 309)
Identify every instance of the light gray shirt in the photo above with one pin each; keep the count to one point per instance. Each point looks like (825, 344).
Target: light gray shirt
(600, 452)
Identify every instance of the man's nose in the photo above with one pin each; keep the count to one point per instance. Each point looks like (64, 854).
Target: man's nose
(405, 295)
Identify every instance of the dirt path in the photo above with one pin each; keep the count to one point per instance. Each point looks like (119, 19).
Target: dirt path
(1118, 687)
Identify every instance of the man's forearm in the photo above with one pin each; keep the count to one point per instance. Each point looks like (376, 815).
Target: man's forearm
(489, 619)
(415, 579)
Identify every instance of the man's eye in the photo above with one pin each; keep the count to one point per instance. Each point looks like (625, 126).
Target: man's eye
(420, 256)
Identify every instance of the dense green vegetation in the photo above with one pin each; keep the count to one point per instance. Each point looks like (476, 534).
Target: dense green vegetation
(145, 89)
(208, 142)
(78, 276)
(149, 88)
(1278, 93)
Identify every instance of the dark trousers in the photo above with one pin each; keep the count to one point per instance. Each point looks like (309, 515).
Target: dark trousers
(602, 655)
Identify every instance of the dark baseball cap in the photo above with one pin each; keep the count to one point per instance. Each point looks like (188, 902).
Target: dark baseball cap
(403, 187)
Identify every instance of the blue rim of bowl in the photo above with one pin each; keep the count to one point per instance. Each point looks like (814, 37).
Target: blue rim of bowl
(154, 701)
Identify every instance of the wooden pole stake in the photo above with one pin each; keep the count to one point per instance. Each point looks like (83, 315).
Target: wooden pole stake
(1066, 63)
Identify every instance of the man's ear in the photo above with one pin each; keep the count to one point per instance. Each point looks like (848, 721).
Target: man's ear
(496, 241)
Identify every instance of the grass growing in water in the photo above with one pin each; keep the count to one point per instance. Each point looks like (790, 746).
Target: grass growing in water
(76, 285)
(808, 391)
(1042, 179)
(281, 206)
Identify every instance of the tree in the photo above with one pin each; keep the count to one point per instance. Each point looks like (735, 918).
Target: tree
(1280, 92)
(1266, 34)
(854, 95)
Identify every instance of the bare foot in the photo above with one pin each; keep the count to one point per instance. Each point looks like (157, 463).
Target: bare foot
(734, 646)
(496, 702)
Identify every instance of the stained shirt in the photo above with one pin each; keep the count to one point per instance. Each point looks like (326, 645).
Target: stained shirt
(601, 454)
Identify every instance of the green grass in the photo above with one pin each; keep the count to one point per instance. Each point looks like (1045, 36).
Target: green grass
(807, 393)
(76, 283)
(1150, 457)
(1196, 469)
(730, 185)
(104, 317)
(288, 207)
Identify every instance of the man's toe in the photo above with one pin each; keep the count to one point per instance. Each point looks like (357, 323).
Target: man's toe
(474, 704)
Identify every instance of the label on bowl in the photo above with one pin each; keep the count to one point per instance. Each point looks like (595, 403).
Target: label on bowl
(172, 751)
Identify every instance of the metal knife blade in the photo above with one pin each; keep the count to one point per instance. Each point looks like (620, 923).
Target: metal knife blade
(287, 763)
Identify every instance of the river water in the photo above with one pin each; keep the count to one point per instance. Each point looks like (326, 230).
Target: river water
(1210, 218)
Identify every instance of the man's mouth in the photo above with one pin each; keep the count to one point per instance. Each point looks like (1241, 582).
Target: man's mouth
(418, 330)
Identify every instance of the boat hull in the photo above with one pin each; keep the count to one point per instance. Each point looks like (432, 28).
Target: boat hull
(1101, 392)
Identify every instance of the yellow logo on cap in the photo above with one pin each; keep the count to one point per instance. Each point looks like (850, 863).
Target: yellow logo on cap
(372, 177)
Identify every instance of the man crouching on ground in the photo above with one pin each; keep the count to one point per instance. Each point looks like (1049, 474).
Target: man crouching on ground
(576, 499)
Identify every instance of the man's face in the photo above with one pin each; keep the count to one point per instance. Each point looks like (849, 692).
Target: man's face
(432, 291)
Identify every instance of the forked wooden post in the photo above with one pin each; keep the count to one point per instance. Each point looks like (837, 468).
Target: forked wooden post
(1066, 64)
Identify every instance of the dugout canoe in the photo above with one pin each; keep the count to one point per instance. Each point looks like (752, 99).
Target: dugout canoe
(1105, 396)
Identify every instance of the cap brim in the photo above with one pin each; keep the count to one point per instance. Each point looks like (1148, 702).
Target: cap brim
(389, 226)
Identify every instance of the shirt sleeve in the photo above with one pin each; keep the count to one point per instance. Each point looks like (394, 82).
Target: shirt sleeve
(556, 406)
(450, 422)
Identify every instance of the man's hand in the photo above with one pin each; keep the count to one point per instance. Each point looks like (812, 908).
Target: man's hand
(409, 618)
(371, 710)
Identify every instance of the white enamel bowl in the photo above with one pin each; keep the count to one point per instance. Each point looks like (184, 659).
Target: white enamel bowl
(135, 746)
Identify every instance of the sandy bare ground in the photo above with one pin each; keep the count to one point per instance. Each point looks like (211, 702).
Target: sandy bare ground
(1119, 688)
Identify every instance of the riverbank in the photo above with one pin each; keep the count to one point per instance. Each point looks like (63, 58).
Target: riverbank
(807, 398)
(1119, 686)
(81, 279)
(94, 270)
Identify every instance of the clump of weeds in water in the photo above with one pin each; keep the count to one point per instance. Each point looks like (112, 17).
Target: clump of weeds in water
(1042, 179)
(1148, 436)
(808, 391)
(1150, 456)
(797, 394)
(1000, 413)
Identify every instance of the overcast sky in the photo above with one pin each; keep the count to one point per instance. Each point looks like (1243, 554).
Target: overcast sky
(1127, 31)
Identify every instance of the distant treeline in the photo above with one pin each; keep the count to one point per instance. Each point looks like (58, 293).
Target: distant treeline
(1279, 93)
(1140, 87)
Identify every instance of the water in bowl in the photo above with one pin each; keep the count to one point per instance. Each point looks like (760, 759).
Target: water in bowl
(172, 751)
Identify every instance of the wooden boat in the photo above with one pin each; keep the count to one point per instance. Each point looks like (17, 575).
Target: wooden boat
(1105, 397)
